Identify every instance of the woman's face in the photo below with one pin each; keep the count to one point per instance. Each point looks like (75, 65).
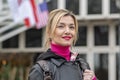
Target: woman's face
(65, 31)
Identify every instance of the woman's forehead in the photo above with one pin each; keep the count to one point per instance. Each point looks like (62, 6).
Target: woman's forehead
(66, 20)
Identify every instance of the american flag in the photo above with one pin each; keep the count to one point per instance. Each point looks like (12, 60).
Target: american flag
(42, 14)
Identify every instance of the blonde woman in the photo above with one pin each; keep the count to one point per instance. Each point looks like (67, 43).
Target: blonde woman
(61, 34)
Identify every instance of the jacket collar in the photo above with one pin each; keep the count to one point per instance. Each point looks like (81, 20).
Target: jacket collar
(58, 62)
(49, 55)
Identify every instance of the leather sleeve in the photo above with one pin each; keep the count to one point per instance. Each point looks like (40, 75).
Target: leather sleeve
(36, 73)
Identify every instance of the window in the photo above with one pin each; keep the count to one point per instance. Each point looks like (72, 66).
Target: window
(82, 36)
(83, 56)
(52, 4)
(34, 38)
(94, 6)
(118, 66)
(118, 34)
(101, 66)
(101, 35)
(113, 7)
(73, 5)
(11, 43)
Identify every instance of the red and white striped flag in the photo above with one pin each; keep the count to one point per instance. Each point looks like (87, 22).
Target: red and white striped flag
(42, 14)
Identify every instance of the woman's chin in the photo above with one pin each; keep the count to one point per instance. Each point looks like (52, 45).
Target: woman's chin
(66, 44)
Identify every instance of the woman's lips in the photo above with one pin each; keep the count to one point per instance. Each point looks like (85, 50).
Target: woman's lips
(67, 37)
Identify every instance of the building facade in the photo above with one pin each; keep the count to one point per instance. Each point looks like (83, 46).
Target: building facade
(99, 35)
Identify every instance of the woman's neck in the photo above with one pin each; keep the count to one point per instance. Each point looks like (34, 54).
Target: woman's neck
(62, 51)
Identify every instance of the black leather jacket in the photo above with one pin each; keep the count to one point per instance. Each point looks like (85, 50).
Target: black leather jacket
(60, 68)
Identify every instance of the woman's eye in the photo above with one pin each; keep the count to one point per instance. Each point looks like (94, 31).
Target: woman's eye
(72, 27)
(60, 26)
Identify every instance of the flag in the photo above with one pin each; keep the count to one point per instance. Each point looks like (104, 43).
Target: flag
(29, 11)
(42, 14)
(26, 12)
(14, 6)
(22, 10)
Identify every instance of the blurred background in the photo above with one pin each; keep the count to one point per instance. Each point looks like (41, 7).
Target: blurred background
(98, 42)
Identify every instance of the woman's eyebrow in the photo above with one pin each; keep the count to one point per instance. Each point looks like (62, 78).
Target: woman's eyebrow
(61, 23)
(67, 24)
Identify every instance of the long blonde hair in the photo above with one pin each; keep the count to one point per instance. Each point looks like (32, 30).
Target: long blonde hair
(53, 20)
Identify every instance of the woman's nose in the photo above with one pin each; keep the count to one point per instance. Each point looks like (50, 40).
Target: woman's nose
(67, 30)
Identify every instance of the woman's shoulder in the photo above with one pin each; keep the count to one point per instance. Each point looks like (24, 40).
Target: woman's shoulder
(83, 63)
(35, 68)
(35, 72)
